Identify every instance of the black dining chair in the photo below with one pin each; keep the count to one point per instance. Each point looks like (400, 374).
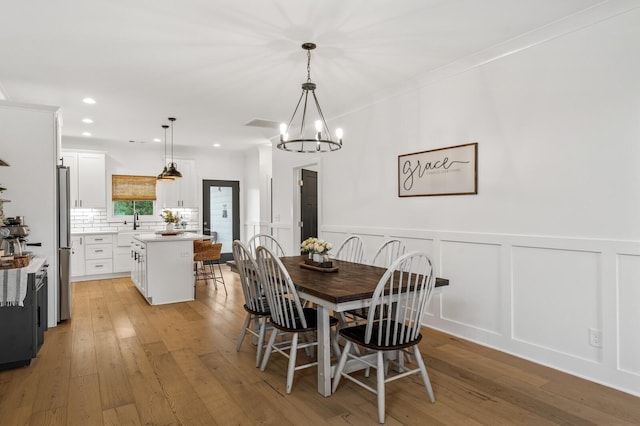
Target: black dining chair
(393, 325)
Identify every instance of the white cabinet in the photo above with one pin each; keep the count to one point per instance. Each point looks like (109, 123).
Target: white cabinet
(181, 192)
(163, 269)
(77, 256)
(88, 179)
(98, 254)
(139, 267)
(122, 252)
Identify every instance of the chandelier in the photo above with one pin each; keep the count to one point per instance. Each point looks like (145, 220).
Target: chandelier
(317, 139)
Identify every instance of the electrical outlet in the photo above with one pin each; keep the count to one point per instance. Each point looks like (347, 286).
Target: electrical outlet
(595, 338)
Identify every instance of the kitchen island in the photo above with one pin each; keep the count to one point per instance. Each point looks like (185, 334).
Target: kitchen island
(162, 267)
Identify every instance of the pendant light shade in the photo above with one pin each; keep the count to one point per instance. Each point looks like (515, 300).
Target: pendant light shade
(172, 172)
(163, 175)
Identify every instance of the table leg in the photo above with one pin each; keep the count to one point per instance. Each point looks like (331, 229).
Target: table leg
(324, 351)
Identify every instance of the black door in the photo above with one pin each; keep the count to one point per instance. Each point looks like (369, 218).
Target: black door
(309, 204)
(221, 213)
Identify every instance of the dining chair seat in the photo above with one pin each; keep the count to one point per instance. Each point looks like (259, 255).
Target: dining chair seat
(357, 334)
(311, 321)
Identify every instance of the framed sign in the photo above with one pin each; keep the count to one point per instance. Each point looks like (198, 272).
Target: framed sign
(443, 171)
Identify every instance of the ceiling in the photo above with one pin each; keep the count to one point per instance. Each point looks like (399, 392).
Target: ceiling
(217, 65)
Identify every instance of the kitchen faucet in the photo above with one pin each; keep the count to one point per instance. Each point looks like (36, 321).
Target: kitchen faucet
(135, 220)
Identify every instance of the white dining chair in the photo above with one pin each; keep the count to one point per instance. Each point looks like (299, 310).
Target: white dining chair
(388, 253)
(393, 325)
(287, 315)
(351, 250)
(256, 305)
(265, 240)
(385, 256)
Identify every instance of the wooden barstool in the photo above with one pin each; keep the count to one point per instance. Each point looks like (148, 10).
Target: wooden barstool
(205, 256)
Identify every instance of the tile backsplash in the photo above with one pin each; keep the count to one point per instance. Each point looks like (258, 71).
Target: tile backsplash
(94, 220)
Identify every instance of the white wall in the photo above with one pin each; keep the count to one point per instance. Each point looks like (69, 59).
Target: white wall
(550, 246)
(256, 192)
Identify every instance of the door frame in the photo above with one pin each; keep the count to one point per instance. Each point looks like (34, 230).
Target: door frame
(235, 185)
(314, 164)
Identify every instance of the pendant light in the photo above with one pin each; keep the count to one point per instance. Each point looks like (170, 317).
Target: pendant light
(317, 139)
(173, 170)
(163, 175)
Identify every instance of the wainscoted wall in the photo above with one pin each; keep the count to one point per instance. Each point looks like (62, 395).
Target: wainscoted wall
(547, 255)
(535, 297)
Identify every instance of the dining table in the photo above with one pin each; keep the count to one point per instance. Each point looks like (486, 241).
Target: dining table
(344, 287)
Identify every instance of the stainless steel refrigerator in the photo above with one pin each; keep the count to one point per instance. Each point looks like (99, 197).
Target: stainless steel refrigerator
(64, 244)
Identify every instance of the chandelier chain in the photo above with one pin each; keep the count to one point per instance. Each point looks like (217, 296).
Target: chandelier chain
(308, 66)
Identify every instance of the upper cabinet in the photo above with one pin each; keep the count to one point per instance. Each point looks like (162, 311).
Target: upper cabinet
(181, 192)
(88, 179)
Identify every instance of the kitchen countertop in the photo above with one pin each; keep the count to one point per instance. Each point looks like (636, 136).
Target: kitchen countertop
(93, 232)
(150, 237)
(128, 231)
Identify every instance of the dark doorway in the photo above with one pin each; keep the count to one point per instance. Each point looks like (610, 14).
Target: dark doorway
(309, 204)
(221, 213)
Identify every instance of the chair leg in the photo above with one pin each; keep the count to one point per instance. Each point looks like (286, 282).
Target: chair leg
(211, 275)
(343, 359)
(335, 345)
(247, 320)
(380, 379)
(263, 328)
(293, 352)
(268, 349)
(221, 278)
(423, 373)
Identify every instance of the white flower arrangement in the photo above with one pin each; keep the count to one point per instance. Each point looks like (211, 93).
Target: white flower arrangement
(314, 245)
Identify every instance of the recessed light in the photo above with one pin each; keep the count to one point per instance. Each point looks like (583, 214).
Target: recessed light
(216, 145)
(87, 120)
(89, 101)
(157, 140)
(86, 134)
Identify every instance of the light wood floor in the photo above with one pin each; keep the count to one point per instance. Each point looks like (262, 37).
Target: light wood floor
(120, 361)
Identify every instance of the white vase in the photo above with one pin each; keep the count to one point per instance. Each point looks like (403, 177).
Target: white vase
(317, 257)
(169, 226)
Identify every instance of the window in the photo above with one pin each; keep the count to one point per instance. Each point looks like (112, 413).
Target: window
(133, 194)
(127, 208)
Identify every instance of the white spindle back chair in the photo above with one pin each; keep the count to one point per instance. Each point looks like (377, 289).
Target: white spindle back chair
(393, 324)
(255, 322)
(351, 250)
(287, 315)
(388, 253)
(265, 240)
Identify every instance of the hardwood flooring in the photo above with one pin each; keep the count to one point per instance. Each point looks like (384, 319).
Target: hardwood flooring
(120, 361)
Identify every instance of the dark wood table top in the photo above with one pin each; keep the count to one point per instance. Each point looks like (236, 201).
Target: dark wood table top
(352, 281)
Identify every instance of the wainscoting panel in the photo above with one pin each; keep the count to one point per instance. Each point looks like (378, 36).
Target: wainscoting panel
(475, 298)
(629, 313)
(556, 299)
(533, 296)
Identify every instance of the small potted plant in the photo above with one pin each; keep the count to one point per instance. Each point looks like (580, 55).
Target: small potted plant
(169, 218)
(318, 249)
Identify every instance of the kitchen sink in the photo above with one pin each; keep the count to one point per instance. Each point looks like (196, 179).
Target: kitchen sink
(125, 237)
